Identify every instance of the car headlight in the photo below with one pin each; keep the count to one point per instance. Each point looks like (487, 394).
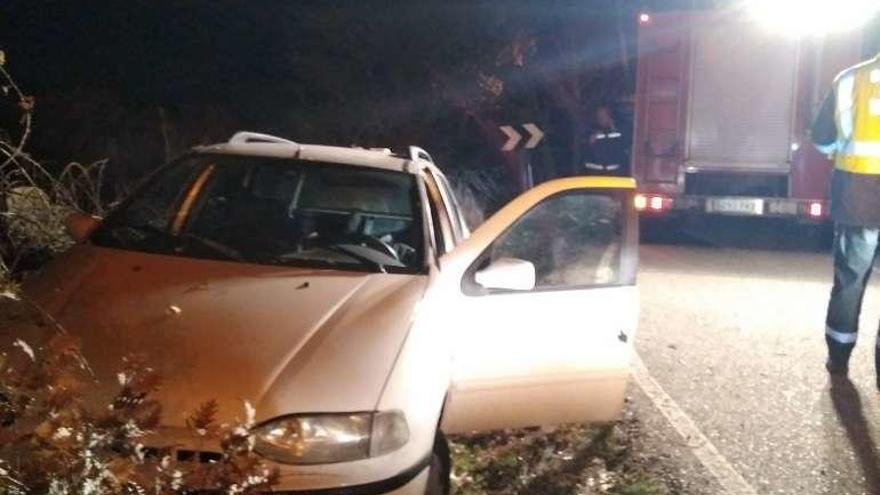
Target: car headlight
(329, 438)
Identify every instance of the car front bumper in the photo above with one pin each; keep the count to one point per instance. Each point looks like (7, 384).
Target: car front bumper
(404, 484)
(411, 481)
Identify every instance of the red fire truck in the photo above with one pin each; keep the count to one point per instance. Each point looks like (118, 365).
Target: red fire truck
(723, 110)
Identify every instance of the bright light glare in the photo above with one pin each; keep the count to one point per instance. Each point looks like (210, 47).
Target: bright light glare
(815, 209)
(655, 203)
(641, 202)
(644, 18)
(812, 17)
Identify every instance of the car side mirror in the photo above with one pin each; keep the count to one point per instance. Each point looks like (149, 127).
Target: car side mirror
(80, 226)
(507, 274)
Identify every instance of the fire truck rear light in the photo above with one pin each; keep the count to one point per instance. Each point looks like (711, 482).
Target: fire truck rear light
(653, 203)
(644, 18)
(816, 209)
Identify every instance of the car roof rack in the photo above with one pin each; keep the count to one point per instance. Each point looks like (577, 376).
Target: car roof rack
(416, 153)
(244, 137)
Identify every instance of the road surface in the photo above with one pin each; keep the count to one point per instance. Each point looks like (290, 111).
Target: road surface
(734, 337)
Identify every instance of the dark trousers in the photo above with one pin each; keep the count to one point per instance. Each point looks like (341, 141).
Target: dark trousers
(854, 251)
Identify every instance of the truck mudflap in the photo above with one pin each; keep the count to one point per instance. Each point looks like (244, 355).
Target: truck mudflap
(812, 210)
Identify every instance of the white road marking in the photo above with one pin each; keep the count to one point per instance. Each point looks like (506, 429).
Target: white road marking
(731, 481)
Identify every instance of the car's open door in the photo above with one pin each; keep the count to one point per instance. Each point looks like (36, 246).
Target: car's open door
(542, 304)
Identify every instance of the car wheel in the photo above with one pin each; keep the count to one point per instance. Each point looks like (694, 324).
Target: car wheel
(438, 473)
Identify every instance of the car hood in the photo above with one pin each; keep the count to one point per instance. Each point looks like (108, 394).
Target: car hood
(287, 340)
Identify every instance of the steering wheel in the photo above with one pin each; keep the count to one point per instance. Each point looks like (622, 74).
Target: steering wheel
(373, 242)
(354, 235)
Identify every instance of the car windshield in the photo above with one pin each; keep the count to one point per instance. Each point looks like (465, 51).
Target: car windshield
(274, 211)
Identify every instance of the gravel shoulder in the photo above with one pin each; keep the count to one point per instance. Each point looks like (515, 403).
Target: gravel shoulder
(639, 455)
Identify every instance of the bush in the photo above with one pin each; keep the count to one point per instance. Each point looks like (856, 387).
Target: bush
(54, 439)
(34, 202)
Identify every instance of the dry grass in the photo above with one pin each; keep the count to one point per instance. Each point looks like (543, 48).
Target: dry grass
(568, 460)
(58, 437)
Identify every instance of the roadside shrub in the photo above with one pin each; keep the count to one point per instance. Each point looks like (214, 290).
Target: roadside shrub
(54, 440)
(36, 205)
(34, 201)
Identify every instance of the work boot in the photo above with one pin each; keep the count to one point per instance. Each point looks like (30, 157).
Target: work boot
(838, 356)
(838, 368)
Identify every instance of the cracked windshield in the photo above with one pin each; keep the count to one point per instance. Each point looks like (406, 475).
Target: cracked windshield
(275, 212)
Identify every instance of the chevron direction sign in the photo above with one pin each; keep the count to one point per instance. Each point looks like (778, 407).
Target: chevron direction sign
(534, 133)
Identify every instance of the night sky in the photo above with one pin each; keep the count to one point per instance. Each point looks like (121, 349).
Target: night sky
(165, 49)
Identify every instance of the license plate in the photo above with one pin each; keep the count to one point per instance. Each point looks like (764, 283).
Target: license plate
(735, 206)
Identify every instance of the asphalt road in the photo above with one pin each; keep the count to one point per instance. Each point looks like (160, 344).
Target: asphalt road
(732, 323)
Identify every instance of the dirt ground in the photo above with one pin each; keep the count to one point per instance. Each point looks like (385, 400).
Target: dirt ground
(638, 455)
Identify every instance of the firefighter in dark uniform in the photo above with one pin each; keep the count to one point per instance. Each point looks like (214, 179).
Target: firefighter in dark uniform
(609, 144)
(848, 128)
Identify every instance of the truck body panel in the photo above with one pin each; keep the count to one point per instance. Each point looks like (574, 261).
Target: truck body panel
(740, 118)
(723, 110)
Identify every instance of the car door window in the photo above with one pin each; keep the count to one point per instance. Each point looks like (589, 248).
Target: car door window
(577, 239)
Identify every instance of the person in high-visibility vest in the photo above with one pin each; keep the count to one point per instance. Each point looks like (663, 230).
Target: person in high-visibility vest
(848, 128)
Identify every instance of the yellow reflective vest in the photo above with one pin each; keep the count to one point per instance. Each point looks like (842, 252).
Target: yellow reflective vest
(857, 116)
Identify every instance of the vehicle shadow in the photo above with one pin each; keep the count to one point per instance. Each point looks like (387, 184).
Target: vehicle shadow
(848, 407)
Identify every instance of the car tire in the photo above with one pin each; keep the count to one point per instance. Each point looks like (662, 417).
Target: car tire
(439, 470)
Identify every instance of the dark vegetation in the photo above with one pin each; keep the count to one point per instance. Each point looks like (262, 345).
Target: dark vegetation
(125, 86)
(136, 83)
(56, 438)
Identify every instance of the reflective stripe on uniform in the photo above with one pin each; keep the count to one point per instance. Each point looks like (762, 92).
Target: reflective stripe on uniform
(841, 337)
(610, 135)
(860, 157)
(845, 100)
(869, 149)
(597, 166)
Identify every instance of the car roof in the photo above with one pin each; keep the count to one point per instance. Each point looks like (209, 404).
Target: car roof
(264, 145)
